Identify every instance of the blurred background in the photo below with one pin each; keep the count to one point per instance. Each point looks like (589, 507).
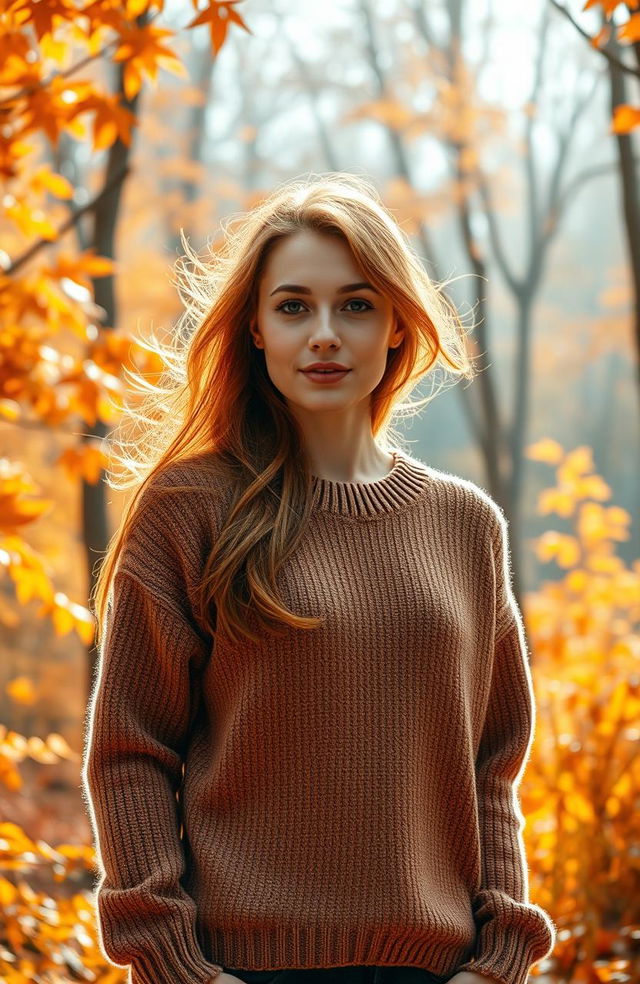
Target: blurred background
(504, 137)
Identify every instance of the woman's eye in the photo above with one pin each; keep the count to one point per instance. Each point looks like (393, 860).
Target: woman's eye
(282, 306)
(357, 300)
(367, 306)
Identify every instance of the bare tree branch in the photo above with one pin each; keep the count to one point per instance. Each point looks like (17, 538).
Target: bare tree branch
(623, 66)
(591, 172)
(551, 215)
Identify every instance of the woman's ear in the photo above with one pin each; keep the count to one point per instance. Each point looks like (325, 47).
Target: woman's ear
(397, 333)
(253, 329)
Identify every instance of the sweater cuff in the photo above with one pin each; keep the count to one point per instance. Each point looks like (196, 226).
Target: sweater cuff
(192, 968)
(511, 938)
(164, 952)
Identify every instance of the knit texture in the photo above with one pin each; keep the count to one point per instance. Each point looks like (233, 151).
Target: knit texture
(341, 795)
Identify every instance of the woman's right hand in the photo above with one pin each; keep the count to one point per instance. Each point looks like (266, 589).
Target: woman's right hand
(226, 978)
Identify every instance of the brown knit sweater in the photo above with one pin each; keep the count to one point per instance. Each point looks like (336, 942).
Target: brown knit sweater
(342, 795)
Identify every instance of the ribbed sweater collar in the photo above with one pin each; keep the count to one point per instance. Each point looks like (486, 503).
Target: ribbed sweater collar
(405, 483)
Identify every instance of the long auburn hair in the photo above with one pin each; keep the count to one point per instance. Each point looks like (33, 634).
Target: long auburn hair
(215, 394)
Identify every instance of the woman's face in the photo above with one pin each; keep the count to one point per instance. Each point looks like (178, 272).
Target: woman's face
(313, 307)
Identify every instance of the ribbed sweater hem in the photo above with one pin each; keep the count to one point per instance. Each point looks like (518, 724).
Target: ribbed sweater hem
(305, 947)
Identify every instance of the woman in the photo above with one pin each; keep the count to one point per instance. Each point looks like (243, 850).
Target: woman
(313, 703)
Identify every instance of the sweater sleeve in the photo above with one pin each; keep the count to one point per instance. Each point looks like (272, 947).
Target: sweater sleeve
(512, 932)
(135, 737)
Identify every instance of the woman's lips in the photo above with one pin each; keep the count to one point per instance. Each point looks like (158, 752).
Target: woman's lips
(318, 376)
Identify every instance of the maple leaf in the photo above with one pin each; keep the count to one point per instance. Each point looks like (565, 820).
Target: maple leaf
(218, 15)
(143, 53)
(45, 17)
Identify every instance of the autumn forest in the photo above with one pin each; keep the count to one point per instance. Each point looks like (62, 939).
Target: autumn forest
(504, 139)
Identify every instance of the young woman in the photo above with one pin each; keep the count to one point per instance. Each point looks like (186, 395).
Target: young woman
(313, 704)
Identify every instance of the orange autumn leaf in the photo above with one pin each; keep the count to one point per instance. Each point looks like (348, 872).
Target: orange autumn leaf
(609, 6)
(29, 220)
(85, 461)
(112, 121)
(219, 14)
(80, 267)
(9, 409)
(21, 690)
(630, 31)
(15, 510)
(143, 54)
(625, 118)
(44, 179)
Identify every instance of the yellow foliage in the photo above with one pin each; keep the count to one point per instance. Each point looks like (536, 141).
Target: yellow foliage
(582, 783)
(21, 690)
(45, 381)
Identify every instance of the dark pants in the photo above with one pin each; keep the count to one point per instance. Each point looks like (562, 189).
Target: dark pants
(357, 974)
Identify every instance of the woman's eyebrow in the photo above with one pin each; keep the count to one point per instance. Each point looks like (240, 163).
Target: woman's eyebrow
(297, 289)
